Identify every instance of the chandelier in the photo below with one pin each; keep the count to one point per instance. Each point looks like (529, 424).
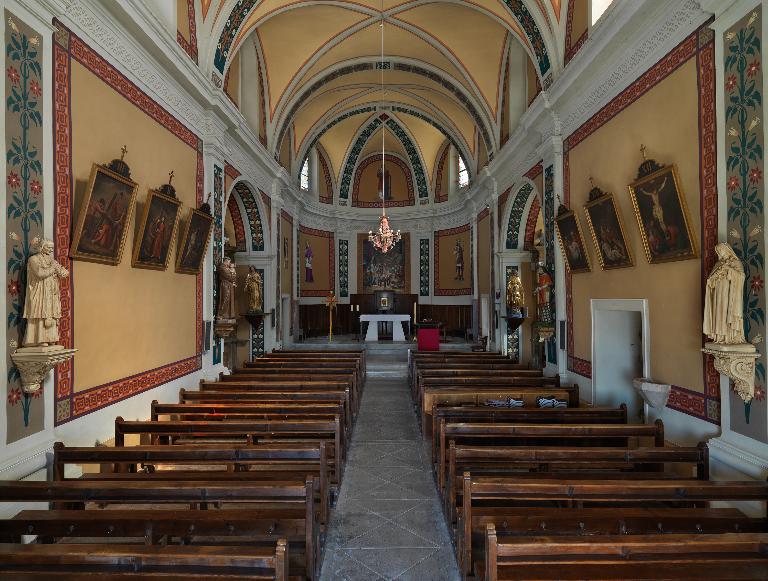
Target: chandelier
(385, 238)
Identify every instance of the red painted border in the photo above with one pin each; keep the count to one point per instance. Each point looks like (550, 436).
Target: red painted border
(371, 159)
(530, 225)
(572, 48)
(326, 178)
(237, 222)
(451, 292)
(69, 405)
(231, 171)
(267, 201)
(535, 171)
(189, 46)
(484, 214)
(331, 262)
(440, 195)
(501, 204)
(287, 216)
(705, 406)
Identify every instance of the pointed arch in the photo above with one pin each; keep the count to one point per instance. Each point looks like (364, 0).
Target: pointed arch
(521, 205)
(243, 195)
(353, 157)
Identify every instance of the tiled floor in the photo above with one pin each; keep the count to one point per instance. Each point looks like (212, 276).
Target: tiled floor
(388, 523)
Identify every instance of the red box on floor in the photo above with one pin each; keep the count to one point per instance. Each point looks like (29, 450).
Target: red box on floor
(428, 339)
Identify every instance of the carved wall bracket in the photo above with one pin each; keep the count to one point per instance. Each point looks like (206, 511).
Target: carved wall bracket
(34, 363)
(738, 363)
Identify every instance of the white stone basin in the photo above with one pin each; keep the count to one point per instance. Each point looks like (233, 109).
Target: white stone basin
(655, 394)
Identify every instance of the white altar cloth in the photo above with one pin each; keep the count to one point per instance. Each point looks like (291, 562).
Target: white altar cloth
(372, 335)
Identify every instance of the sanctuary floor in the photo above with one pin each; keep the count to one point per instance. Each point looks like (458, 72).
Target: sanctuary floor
(388, 523)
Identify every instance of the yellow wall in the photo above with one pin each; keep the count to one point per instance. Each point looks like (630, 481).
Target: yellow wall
(321, 272)
(530, 73)
(182, 18)
(447, 270)
(666, 121)
(233, 79)
(368, 190)
(128, 320)
(580, 20)
(285, 151)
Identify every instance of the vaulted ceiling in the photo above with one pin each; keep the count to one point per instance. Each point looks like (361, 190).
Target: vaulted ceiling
(444, 67)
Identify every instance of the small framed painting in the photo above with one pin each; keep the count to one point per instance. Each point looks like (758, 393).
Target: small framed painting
(662, 216)
(105, 213)
(608, 234)
(194, 242)
(572, 242)
(156, 231)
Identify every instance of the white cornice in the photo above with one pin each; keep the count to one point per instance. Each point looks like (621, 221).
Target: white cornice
(631, 39)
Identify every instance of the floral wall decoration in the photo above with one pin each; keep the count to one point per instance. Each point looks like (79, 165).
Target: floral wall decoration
(424, 267)
(343, 268)
(24, 204)
(257, 333)
(549, 250)
(745, 185)
(218, 242)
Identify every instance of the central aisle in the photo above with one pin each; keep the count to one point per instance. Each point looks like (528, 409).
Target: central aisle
(388, 523)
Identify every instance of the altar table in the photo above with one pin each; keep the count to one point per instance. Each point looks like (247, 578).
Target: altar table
(372, 335)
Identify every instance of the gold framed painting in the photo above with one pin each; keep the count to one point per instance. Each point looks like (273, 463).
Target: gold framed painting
(105, 214)
(157, 228)
(571, 240)
(607, 229)
(193, 243)
(662, 216)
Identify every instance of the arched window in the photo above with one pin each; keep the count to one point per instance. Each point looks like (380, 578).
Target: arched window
(463, 173)
(304, 178)
(598, 8)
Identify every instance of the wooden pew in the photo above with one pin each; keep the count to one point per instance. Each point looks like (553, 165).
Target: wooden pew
(188, 411)
(490, 499)
(33, 561)
(274, 397)
(581, 462)
(326, 355)
(262, 462)
(242, 431)
(477, 394)
(279, 499)
(453, 377)
(541, 435)
(415, 358)
(717, 556)
(488, 414)
(291, 381)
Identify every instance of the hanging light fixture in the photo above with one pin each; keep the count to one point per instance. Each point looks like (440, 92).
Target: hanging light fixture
(385, 238)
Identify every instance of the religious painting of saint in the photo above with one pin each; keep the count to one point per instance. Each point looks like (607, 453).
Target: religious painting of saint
(383, 271)
(458, 253)
(572, 242)
(156, 231)
(607, 230)
(193, 243)
(308, 258)
(105, 213)
(662, 216)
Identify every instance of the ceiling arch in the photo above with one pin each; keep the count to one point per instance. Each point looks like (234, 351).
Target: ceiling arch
(359, 145)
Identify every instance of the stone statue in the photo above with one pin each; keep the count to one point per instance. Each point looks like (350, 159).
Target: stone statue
(253, 284)
(724, 299)
(227, 282)
(515, 292)
(543, 286)
(42, 306)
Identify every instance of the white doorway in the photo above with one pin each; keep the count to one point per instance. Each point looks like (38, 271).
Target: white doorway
(620, 353)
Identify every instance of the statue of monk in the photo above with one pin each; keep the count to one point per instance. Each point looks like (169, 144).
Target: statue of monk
(253, 289)
(42, 306)
(227, 282)
(515, 292)
(724, 299)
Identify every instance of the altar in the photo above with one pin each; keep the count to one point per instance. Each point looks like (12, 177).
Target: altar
(372, 335)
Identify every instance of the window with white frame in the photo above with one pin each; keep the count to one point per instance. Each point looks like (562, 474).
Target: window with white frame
(304, 178)
(463, 173)
(598, 8)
